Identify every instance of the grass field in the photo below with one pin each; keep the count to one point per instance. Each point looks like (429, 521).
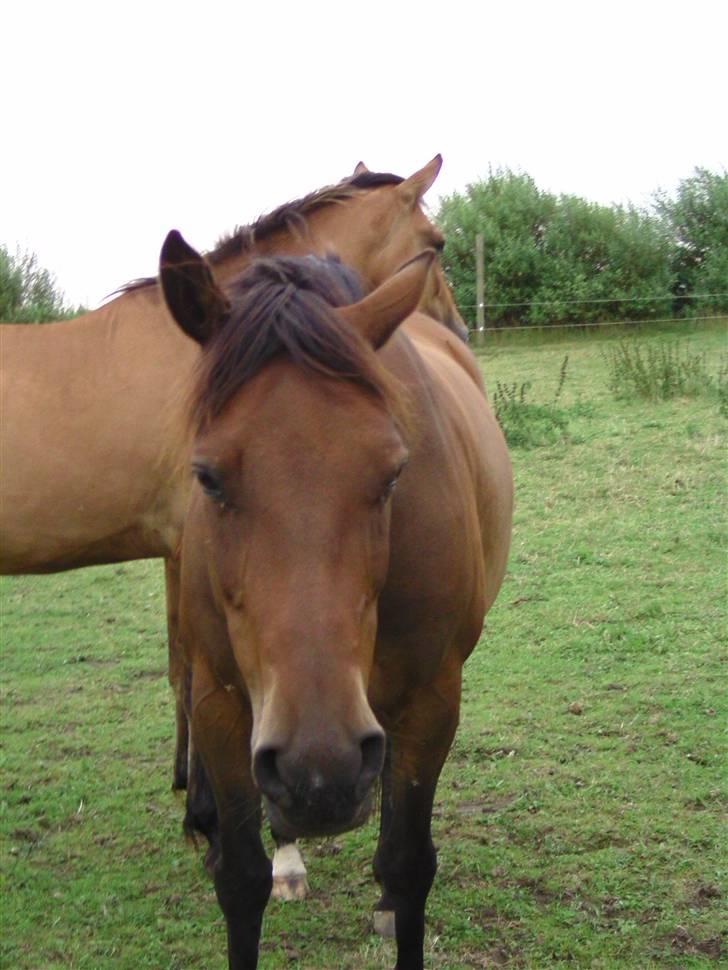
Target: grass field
(581, 816)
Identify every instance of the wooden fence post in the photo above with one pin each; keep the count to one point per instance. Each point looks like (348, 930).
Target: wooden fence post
(479, 286)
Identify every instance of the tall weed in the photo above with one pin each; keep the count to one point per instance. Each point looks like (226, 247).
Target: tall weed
(526, 424)
(722, 383)
(657, 372)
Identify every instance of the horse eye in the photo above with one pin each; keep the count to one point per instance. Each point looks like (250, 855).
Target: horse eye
(209, 480)
(386, 492)
(388, 489)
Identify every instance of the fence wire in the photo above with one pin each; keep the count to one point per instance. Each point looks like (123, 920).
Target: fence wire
(517, 328)
(671, 297)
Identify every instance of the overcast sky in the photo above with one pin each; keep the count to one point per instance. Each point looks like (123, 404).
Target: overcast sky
(123, 120)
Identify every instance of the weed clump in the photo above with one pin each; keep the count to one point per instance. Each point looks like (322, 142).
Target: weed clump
(525, 423)
(722, 384)
(660, 372)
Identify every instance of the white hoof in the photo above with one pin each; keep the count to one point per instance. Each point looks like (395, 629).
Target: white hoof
(289, 888)
(289, 874)
(384, 923)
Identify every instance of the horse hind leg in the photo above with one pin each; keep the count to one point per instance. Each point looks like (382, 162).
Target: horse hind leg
(178, 675)
(384, 910)
(289, 872)
(181, 747)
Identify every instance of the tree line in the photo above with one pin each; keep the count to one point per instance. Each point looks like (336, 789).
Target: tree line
(548, 259)
(552, 259)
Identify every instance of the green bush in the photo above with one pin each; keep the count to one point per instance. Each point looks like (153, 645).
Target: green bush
(562, 259)
(553, 259)
(697, 222)
(29, 293)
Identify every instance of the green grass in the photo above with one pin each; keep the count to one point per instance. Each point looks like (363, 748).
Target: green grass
(581, 817)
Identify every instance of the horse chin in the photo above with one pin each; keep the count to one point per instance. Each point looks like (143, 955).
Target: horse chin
(301, 825)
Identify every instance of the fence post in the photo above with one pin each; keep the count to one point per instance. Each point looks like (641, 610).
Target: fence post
(479, 286)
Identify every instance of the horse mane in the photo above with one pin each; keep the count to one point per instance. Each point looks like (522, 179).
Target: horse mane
(243, 239)
(283, 306)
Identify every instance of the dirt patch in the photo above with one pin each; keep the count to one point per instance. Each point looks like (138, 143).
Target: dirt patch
(705, 894)
(484, 806)
(26, 835)
(539, 892)
(497, 956)
(684, 943)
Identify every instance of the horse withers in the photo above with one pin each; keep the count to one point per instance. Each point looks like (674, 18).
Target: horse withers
(347, 532)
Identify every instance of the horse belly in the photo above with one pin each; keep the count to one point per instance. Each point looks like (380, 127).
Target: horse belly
(54, 518)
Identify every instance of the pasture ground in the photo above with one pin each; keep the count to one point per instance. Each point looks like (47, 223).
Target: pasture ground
(581, 815)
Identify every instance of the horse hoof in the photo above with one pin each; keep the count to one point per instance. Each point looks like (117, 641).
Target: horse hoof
(288, 888)
(289, 873)
(384, 923)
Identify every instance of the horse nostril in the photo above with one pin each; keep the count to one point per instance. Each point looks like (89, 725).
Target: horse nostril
(372, 760)
(267, 775)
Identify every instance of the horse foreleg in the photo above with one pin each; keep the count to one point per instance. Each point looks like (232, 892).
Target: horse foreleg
(406, 861)
(289, 872)
(178, 678)
(221, 725)
(242, 875)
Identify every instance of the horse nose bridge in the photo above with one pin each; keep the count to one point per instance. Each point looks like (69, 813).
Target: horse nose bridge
(317, 669)
(316, 723)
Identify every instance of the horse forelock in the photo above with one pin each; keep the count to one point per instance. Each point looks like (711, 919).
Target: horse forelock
(284, 307)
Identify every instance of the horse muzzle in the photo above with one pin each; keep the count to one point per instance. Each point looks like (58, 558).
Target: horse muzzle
(320, 791)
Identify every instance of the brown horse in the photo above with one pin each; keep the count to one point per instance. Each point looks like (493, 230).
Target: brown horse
(81, 484)
(90, 413)
(348, 531)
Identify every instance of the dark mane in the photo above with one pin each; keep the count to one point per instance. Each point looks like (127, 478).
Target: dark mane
(291, 214)
(244, 238)
(283, 306)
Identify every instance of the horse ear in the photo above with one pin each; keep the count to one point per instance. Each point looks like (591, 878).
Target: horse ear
(190, 292)
(359, 169)
(413, 188)
(379, 314)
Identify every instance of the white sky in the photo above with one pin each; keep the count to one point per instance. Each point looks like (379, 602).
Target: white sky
(120, 121)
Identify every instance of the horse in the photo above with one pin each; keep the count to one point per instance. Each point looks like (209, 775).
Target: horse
(90, 408)
(347, 530)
